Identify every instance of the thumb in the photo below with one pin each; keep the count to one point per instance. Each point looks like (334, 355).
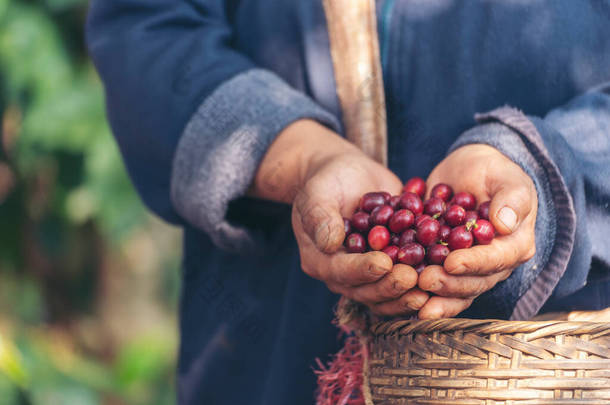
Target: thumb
(321, 221)
(510, 206)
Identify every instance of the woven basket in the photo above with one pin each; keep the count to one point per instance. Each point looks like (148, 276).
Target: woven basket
(484, 362)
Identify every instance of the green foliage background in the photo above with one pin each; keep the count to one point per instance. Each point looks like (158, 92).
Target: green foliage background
(88, 279)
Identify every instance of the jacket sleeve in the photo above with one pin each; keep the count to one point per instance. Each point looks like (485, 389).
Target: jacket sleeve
(193, 116)
(567, 155)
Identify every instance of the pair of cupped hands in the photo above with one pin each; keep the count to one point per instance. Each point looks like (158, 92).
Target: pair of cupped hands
(324, 176)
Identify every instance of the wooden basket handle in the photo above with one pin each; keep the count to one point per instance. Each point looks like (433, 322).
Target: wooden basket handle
(354, 47)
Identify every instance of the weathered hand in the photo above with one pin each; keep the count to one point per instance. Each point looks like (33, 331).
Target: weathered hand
(332, 191)
(323, 176)
(467, 273)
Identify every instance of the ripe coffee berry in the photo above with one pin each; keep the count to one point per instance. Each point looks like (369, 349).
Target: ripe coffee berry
(484, 210)
(455, 215)
(466, 200)
(412, 202)
(416, 185)
(411, 254)
(360, 221)
(471, 216)
(437, 254)
(421, 218)
(407, 236)
(427, 232)
(379, 237)
(442, 191)
(434, 206)
(460, 238)
(369, 201)
(443, 233)
(391, 251)
(394, 202)
(355, 243)
(401, 220)
(381, 215)
(483, 232)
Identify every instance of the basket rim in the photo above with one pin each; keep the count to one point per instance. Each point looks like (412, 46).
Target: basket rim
(532, 329)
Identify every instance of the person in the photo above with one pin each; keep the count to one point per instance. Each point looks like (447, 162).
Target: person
(229, 124)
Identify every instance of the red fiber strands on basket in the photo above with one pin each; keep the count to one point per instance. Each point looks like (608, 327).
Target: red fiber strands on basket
(340, 382)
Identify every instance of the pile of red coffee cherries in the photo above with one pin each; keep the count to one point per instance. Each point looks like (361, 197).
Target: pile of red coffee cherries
(414, 232)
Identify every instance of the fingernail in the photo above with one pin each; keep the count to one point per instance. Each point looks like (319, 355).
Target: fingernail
(508, 217)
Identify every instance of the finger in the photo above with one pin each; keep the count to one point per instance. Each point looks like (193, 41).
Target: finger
(346, 269)
(441, 307)
(394, 284)
(436, 280)
(511, 203)
(353, 270)
(502, 253)
(408, 303)
(321, 220)
(343, 269)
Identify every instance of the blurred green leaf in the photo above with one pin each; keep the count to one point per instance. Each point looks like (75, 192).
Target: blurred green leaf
(10, 363)
(63, 395)
(142, 360)
(8, 391)
(27, 35)
(3, 7)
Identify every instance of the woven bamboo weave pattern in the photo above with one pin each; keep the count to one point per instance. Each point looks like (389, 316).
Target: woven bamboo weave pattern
(490, 362)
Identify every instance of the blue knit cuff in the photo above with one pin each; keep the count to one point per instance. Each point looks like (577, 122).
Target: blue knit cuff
(223, 144)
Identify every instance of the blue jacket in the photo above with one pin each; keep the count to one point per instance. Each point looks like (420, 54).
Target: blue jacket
(197, 90)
